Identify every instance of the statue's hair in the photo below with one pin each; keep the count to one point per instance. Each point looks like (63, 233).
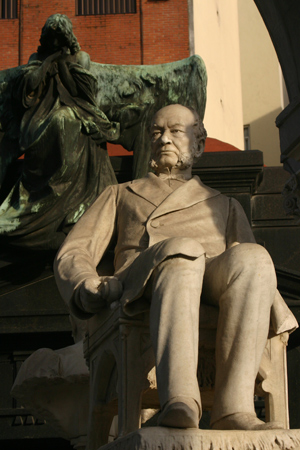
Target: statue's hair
(199, 130)
(62, 26)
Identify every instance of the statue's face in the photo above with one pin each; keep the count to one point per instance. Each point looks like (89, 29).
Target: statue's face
(173, 138)
(55, 32)
(56, 39)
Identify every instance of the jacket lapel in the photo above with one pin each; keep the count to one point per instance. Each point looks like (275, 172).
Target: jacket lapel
(157, 192)
(187, 195)
(151, 188)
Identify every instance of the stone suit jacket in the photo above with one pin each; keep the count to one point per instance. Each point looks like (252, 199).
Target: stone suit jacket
(147, 222)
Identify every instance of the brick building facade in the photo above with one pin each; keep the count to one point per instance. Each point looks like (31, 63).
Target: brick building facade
(157, 32)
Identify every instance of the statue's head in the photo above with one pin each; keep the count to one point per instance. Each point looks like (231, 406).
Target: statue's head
(177, 138)
(56, 34)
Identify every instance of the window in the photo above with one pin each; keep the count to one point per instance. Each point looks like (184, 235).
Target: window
(102, 7)
(8, 9)
(247, 143)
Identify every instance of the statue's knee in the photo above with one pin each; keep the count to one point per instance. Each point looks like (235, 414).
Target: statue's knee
(253, 251)
(254, 258)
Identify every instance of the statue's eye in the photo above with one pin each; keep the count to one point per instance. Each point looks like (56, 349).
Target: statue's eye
(156, 134)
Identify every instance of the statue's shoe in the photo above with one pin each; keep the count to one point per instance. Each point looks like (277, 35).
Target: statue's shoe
(180, 412)
(245, 421)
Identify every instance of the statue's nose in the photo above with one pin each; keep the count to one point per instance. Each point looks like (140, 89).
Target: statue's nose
(165, 138)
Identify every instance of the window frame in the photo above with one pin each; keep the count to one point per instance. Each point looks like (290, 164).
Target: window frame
(104, 7)
(8, 9)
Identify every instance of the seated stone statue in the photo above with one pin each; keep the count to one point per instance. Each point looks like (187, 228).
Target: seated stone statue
(176, 241)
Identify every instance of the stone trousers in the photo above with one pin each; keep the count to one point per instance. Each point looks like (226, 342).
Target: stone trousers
(242, 283)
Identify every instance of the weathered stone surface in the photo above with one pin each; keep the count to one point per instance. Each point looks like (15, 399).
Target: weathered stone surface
(175, 439)
(54, 385)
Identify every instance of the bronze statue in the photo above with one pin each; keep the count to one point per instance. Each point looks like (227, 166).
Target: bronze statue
(61, 135)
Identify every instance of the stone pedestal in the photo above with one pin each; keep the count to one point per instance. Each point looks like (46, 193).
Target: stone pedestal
(159, 438)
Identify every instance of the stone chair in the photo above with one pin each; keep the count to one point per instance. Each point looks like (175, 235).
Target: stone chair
(122, 371)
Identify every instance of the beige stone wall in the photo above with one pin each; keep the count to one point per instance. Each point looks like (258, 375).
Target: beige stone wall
(244, 78)
(217, 42)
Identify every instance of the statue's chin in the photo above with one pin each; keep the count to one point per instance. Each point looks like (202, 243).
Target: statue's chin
(167, 162)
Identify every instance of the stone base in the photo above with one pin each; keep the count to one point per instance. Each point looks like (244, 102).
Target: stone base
(161, 438)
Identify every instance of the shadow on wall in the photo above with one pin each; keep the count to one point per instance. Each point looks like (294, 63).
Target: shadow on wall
(264, 136)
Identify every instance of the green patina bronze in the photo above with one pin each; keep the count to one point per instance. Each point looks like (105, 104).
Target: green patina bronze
(131, 95)
(59, 111)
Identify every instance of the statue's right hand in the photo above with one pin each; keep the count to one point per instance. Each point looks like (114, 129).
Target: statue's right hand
(65, 51)
(90, 297)
(52, 57)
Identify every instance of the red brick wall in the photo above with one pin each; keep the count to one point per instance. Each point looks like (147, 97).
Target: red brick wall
(9, 43)
(165, 31)
(110, 39)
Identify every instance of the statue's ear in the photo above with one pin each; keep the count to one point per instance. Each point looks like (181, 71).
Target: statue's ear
(200, 148)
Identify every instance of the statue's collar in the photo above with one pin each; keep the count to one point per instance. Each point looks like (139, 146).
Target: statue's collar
(153, 189)
(177, 176)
